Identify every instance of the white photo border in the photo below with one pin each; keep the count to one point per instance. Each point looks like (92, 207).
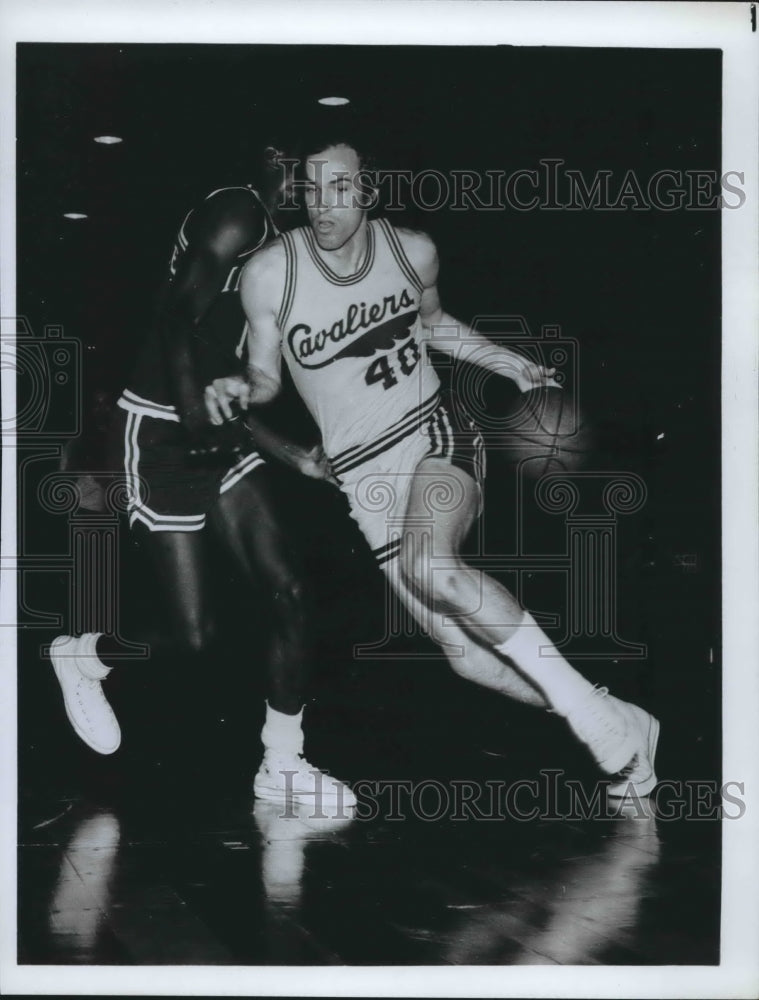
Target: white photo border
(726, 26)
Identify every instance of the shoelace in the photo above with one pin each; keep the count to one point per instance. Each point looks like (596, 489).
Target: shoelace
(606, 717)
(94, 686)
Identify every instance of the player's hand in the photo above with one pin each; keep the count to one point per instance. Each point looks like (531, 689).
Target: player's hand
(533, 376)
(225, 397)
(315, 464)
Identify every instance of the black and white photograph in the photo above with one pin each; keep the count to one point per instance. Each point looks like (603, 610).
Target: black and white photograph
(379, 499)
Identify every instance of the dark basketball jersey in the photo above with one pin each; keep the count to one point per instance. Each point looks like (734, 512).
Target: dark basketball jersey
(220, 340)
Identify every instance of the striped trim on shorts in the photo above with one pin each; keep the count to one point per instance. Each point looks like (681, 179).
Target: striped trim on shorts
(377, 477)
(164, 492)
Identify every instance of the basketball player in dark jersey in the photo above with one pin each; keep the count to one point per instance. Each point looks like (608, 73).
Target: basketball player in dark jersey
(185, 478)
(352, 304)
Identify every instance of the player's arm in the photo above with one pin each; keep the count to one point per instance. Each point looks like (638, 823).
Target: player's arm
(261, 289)
(219, 230)
(451, 336)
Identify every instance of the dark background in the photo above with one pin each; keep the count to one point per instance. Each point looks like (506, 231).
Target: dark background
(638, 290)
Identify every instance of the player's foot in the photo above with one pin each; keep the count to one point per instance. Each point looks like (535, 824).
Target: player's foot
(290, 776)
(605, 730)
(80, 674)
(638, 778)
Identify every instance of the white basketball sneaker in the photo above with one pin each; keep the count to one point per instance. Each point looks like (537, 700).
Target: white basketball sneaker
(284, 776)
(605, 729)
(638, 778)
(80, 673)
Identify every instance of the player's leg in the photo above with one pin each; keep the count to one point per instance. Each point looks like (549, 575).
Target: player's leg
(179, 561)
(443, 503)
(471, 659)
(166, 503)
(245, 520)
(433, 569)
(82, 663)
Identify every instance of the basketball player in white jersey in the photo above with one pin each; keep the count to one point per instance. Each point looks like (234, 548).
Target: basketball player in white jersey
(352, 304)
(186, 479)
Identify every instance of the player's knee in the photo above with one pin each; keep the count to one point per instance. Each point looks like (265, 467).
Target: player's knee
(440, 586)
(448, 589)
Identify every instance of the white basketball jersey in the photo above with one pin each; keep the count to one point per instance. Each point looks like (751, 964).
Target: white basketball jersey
(354, 345)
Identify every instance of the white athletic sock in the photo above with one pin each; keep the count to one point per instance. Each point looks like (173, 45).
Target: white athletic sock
(281, 733)
(562, 684)
(87, 658)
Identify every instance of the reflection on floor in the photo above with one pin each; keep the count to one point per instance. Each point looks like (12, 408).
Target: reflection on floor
(159, 855)
(167, 859)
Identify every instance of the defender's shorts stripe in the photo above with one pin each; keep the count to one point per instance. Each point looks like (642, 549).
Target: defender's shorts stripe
(243, 467)
(133, 403)
(156, 522)
(136, 484)
(139, 511)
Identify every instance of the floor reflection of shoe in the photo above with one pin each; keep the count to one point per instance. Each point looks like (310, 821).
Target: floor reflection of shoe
(86, 706)
(598, 898)
(83, 891)
(290, 777)
(638, 779)
(601, 725)
(282, 852)
(636, 808)
(285, 830)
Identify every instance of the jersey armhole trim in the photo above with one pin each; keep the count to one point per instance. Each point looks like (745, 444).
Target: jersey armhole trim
(290, 277)
(396, 248)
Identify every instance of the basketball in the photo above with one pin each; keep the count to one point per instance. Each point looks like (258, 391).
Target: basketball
(544, 432)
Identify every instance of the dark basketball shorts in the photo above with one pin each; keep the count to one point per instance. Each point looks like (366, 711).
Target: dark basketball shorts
(377, 477)
(165, 491)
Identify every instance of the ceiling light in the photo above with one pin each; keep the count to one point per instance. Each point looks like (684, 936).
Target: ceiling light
(334, 102)
(108, 140)
(74, 215)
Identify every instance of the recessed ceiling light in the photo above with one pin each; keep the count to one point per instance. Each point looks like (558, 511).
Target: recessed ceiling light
(108, 140)
(74, 215)
(334, 102)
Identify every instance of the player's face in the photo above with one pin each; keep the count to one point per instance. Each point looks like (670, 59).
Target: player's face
(334, 196)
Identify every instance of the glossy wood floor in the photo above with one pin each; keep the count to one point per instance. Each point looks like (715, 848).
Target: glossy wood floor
(160, 855)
